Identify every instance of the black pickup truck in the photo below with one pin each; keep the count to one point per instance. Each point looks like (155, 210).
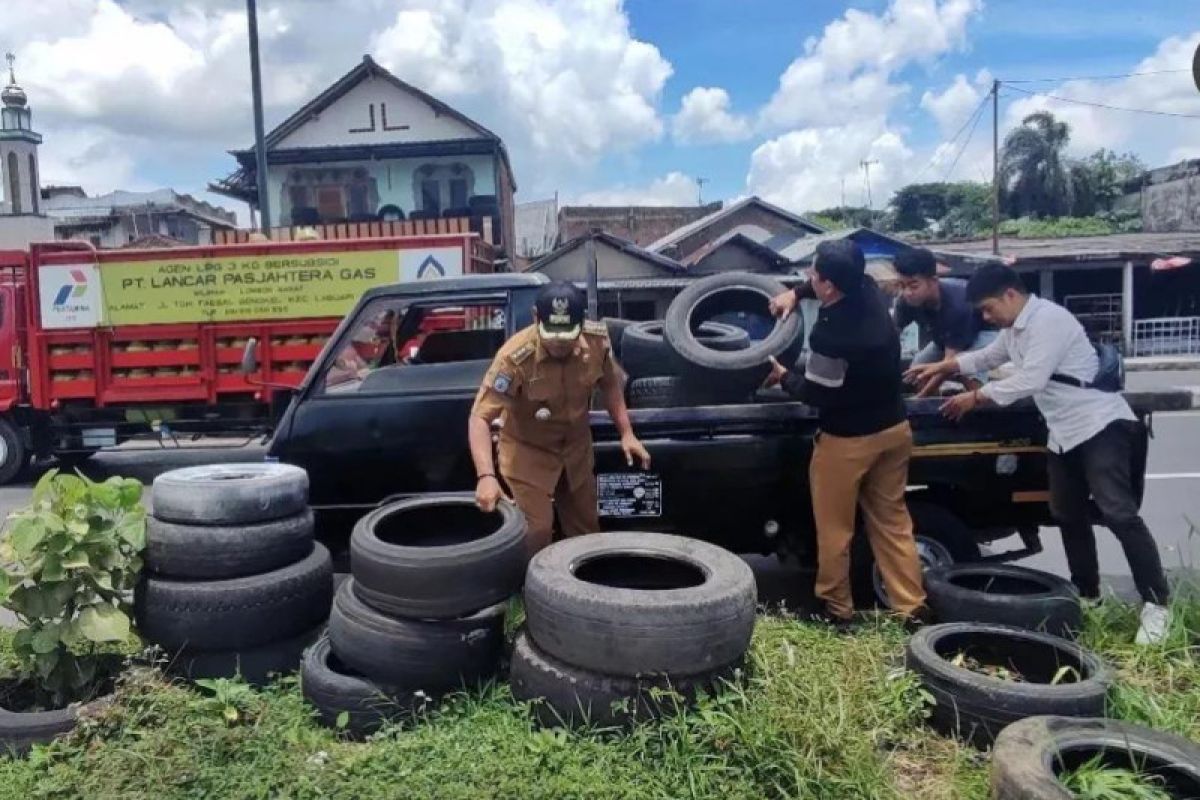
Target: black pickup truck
(736, 475)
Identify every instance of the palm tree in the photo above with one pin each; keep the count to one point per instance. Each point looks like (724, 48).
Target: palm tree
(1034, 178)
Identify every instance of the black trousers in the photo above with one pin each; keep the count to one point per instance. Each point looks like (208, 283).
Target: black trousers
(1109, 468)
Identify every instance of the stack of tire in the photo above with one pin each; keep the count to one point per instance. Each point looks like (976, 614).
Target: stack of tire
(1052, 721)
(1017, 620)
(422, 613)
(622, 627)
(234, 583)
(690, 359)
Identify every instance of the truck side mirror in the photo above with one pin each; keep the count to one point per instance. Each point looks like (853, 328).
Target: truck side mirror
(250, 358)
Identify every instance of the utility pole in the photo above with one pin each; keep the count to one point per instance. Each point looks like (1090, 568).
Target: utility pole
(995, 167)
(700, 190)
(260, 147)
(593, 276)
(843, 191)
(866, 166)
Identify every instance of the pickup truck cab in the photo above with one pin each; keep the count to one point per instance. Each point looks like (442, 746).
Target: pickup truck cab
(736, 475)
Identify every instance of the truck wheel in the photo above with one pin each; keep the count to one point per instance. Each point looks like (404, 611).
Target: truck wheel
(644, 351)
(230, 494)
(237, 612)
(564, 695)
(1006, 595)
(977, 705)
(636, 603)
(335, 689)
(13, 455)
(438, 557)
(226, 551)
(255, 665)
(1030, 756)
(430, 655)
(941, 538)
(735, 291)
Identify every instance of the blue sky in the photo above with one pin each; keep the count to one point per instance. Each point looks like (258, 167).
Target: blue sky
(604, 101)
(745, 46)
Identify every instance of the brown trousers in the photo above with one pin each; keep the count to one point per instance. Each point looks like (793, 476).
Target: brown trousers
(871, 473)
(577, 513)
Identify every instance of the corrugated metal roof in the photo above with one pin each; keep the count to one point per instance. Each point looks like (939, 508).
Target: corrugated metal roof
(71, 207)
(681, 233)
(1112, 247)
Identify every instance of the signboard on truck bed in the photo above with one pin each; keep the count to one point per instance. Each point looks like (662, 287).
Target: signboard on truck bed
(220, 288)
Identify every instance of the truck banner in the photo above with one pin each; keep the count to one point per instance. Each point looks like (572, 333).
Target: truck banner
(231, 289)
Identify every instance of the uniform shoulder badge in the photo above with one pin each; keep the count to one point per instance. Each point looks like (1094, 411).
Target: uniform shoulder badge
(595, 328)
(502, 383)
(521, 353)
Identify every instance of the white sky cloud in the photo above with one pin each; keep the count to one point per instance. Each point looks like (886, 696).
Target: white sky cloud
(565, 82)
(139, 93)
(673, 189)
(845, 74)
(1159, 140)
(837, 99)
(804, 169)
(953, 106)
(704, 117)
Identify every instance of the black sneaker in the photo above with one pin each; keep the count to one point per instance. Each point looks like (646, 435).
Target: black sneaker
(918, 619)
(835, 623)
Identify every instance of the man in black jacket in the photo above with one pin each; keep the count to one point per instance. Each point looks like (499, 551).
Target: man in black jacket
(860, 457)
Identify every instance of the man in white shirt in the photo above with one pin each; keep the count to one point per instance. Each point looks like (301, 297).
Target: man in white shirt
(1097, 446)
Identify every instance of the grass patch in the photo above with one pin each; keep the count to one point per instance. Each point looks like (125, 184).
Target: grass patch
(816, 716)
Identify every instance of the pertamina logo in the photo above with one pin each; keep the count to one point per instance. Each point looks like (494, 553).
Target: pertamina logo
(76, 289)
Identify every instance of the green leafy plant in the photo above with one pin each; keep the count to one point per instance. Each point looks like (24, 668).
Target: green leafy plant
(70, 562)
(231, 699)
(1095, 780)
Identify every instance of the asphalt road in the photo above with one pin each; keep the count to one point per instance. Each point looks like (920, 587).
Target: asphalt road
(1171, 505)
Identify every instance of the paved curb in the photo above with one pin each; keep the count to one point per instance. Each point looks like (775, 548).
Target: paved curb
(1161, 363)
(1176, 398)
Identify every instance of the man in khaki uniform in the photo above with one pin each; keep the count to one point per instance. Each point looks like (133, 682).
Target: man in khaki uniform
(542, 381)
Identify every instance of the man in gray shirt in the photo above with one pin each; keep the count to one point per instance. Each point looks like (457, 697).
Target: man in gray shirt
(1097, 446)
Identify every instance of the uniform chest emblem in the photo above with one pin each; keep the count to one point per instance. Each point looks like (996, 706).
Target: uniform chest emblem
(502, 383)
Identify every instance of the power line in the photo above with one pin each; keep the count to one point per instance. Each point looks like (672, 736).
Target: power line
(1103, 105)
(1098, 77)
(966, 142)
(954, 138)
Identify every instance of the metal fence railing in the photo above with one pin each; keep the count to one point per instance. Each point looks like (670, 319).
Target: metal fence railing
(1100, 315)
(1166, 336)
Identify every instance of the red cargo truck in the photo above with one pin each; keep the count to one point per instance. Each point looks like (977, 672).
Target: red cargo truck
(101, 347)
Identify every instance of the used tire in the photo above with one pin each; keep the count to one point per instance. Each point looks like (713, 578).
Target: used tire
(13, 453)
(977, 707)
(438, 557)
(636, 603)
(616, 332)
(255, 665)
(566, 695)
(1006, 595)
(21, 731)
(236, 613)
(226, 551)
(644, 351)
(1031, 754)
(664, 391)
(334, 689)
(734, 291)
(230, 494)
(430, 655)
